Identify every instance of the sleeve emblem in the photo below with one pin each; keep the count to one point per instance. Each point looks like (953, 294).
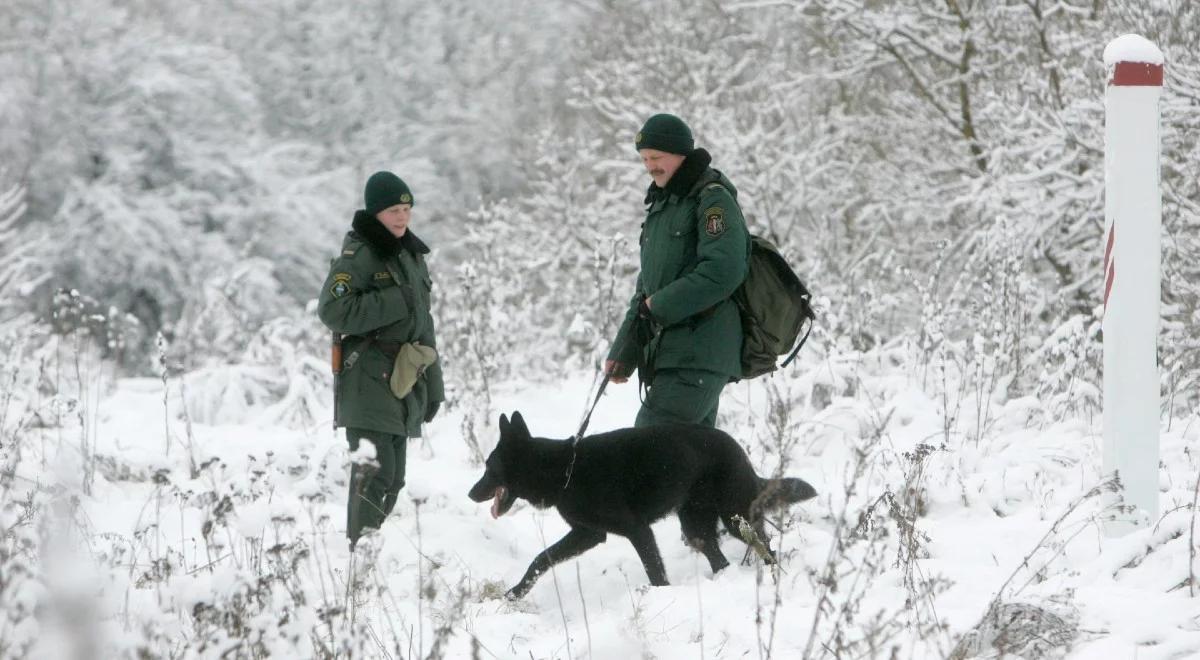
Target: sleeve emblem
(341, 285)
(714, 221)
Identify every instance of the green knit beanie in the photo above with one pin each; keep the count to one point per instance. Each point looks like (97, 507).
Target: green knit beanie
(385, 190)
(666, 133)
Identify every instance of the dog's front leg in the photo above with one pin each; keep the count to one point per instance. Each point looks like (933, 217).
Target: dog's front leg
(578, 540)
(643, 541)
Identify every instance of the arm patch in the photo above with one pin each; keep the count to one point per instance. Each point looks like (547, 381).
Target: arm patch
(341, 285)
(714, 221)
(715, 200)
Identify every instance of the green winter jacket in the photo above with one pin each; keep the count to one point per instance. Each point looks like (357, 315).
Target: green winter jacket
(695, 252)
(378, 295)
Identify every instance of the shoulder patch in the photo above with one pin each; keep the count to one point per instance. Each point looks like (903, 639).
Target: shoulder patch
(383, 276)
(714, 221)
(341, 285)
(348, 252)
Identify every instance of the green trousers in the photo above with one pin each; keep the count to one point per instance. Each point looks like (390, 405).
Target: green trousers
(682, 396)
(374, 489)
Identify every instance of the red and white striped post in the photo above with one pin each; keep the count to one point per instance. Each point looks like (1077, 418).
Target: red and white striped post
(1132, 263)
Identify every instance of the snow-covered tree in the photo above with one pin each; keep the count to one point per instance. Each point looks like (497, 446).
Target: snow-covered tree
(17, 273)
(190, 139)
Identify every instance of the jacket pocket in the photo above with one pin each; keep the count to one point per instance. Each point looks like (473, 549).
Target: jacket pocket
(682, 245)
(376, 365)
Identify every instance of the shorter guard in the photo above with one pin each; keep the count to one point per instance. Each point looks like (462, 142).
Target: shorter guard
(388, 382)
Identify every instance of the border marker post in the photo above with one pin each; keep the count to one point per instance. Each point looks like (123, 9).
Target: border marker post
(1132, 274)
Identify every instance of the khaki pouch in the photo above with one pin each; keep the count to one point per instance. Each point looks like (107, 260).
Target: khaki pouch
(411, 361)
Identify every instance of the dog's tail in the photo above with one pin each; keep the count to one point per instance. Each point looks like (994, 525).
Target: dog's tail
(777, 493)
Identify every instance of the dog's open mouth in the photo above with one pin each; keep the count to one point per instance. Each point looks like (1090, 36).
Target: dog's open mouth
(502, 501)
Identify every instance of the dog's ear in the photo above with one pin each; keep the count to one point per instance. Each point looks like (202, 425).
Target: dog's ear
(518, 425)
(504, 425)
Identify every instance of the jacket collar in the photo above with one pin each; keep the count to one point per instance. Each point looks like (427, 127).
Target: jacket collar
(381, 241)
(684, 179)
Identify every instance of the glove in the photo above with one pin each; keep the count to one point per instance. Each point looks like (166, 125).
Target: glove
(643, 311)
(431, 409)
(644, 326)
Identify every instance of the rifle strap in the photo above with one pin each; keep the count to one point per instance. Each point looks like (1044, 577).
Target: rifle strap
(359, 350)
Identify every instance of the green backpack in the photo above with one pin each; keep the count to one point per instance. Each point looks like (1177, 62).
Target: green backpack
(774, 304)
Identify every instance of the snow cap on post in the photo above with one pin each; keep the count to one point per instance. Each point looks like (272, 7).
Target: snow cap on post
(1133, 61)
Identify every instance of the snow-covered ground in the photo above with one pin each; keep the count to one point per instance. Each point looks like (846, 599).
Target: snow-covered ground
(230, 540)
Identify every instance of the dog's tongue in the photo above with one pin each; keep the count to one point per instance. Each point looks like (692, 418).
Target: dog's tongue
(500, 493)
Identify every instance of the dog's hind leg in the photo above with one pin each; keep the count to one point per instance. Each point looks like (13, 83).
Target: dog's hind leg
(577, 541)
(643, 541)
(700, 531)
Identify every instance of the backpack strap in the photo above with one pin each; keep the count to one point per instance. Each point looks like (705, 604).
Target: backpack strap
(705, 181)
(705, 186)
(799, 345)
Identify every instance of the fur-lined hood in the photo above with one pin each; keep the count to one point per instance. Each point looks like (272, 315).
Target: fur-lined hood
(380, 240)
(685, 180)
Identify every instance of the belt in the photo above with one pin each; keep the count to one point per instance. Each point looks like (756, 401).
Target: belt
(389, 349)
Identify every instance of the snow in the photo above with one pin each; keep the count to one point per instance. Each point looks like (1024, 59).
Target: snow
(1132, 48)
(235, 145)
(1004, 510)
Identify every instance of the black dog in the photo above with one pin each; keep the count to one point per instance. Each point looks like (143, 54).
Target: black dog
(620, 482)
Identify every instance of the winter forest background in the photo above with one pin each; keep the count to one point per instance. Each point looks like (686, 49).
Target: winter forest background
(175, 175)
(933, 169)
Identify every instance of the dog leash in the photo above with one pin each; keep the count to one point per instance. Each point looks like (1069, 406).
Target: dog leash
(583, 427)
